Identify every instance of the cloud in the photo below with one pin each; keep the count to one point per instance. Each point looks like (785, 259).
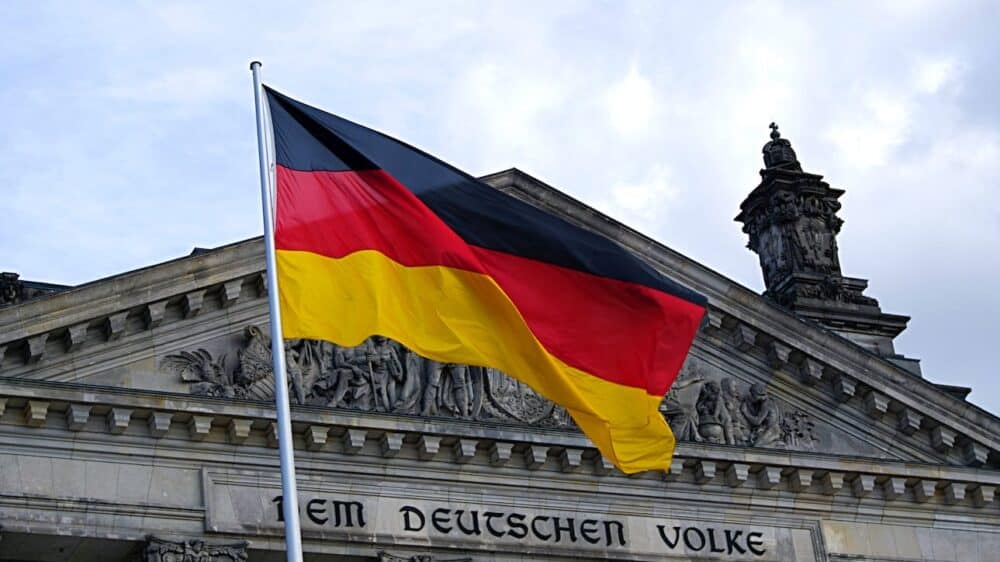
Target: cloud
(631, 103)
(869, 139)
(178, 86)
(931, 75)
(639, 202)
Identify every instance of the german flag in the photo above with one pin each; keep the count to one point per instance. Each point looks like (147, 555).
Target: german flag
(374, 236)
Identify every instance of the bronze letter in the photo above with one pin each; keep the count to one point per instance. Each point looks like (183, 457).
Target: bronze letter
(711, 541)
(589, 530)
(534, 528)
(621, 532)
(281, 508)
(568, 527)
(754, 541)
(732, 542)
(687, 539)
(439, 517)
(670, 543)
(313, 512)
(518, 529)
(345, 512)
(489, 515)
(474, 530)
(407, 511)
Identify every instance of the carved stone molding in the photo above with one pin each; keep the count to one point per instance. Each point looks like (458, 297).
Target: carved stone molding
(162, 550)
(386, 557)
(769, 471)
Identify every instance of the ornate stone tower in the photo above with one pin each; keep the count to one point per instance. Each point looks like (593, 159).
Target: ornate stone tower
(791, 219)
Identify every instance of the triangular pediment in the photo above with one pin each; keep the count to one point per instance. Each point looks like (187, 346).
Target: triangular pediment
(757, 377)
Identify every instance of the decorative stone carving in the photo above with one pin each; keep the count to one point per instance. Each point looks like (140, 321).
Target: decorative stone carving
(778, 151)
(793, 229)
(791, 222)
(161, 550)
(714, 409)
(13, 290)
(511, 400)
(378, 375)
(207, 376)
(381, 375)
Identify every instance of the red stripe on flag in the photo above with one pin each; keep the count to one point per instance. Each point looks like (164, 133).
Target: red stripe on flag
(621, 332)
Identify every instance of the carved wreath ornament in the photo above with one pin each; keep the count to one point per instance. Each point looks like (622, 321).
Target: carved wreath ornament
(383, 376)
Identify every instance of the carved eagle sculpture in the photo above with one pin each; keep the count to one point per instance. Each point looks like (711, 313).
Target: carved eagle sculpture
(207, 375)
(255, 370)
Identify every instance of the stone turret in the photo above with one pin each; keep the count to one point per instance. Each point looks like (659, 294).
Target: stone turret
(791, 219)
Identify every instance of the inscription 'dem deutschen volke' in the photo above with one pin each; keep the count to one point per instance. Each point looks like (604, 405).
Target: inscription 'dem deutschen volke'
(519, 526)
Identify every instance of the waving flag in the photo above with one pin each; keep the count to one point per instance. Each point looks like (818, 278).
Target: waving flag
(373, 236)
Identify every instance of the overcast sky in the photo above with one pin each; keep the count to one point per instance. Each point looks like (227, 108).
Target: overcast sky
(127, 135)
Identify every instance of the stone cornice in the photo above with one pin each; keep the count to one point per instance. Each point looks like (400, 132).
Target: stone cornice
(101, 415)
(133, 292)
(104, 311)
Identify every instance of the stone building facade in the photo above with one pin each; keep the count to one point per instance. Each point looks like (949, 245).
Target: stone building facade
(136, 423)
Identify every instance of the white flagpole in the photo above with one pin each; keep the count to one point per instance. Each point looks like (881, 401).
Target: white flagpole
(289, 492)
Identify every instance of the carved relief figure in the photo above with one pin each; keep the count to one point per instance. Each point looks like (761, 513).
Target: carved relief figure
(384, 371)
(332, 387)
(293, 368)
(457, 390)
(307, 361)
(452, 389)
(679, 407)
(763, 417)
(734, 423)
(407, 390)
(429, 402)
(360, 393)
(711, 426)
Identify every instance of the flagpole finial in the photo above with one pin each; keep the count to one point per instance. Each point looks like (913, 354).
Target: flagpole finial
(254, 63)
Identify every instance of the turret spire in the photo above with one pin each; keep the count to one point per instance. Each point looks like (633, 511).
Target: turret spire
(792, 223)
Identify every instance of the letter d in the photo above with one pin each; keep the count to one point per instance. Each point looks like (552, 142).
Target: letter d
(409, 511)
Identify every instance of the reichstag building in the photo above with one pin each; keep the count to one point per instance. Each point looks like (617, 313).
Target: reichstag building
(137, 423)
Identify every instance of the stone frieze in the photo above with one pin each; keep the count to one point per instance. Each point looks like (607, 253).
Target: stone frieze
(380, 375)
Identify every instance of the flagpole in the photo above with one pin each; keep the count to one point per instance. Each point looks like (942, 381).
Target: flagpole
(289, 492)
